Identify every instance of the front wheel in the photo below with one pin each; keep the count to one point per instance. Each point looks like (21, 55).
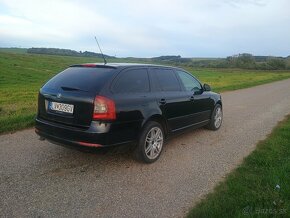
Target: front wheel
(216, 118)
(150, 142)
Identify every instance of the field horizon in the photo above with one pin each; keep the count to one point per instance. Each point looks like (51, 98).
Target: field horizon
(23, 50)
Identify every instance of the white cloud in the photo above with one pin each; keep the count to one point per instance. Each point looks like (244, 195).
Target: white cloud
(150, 28)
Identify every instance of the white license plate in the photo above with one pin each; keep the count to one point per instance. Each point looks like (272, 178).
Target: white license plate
(66, 108)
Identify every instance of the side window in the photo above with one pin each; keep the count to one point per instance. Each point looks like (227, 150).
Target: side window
(135, 80)
(189, 82)
(166, 80)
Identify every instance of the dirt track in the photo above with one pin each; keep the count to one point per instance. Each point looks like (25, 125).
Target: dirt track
(41, 179)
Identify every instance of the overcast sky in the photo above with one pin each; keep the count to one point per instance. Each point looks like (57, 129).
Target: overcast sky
(190, 28)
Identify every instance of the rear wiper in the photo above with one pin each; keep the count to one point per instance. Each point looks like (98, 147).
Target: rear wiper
(72, 89)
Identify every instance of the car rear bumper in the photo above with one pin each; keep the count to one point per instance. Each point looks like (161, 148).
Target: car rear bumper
(99, 134)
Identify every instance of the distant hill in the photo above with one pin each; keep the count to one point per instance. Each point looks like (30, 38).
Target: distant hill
(172, 58)
(168, 58)
(65, 52)
(14, 50)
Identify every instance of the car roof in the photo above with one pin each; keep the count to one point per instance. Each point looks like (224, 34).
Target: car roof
(120, 65)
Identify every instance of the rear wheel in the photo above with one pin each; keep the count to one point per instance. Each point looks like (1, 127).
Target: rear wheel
(150, 142)
(216, 118)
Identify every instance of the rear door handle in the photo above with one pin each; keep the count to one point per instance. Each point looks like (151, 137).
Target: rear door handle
(162, 101)
(191, 98)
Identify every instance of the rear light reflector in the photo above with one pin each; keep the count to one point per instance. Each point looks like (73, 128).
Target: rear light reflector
(89, 144)
(104, 109)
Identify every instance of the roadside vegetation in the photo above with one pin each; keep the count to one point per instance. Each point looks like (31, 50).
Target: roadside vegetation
(259, 187)
(22, 74)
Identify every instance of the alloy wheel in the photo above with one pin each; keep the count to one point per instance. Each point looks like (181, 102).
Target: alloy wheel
(218, 117)
(153, 143)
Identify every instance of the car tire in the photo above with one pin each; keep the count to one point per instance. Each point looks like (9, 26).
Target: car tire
(216, 118)
(150, 143)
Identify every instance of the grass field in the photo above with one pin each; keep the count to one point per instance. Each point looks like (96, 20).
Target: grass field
(21, 76)
(259, 187)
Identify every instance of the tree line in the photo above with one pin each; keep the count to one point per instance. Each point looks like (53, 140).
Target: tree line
(243, 61)
(65, 52)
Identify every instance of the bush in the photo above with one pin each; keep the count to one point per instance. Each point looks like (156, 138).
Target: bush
(277, 63)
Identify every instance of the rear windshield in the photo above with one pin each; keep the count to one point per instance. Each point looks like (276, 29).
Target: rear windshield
(80, 78)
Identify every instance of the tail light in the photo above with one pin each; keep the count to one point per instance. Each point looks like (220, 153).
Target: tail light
(104, 109)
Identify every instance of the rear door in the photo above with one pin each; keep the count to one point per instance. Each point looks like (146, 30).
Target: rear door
(133, 99)
(172, 100)
(131, 93)
(68, 97)
(200, 104)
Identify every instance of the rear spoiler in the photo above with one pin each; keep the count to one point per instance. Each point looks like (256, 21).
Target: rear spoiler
(93, 65)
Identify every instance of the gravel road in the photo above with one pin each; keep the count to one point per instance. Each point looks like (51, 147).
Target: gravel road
(40, 179)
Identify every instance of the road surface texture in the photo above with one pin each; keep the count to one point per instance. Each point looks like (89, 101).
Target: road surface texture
(40, 179)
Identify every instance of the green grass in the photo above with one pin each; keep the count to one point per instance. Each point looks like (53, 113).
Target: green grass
(250, 190)
(22, 74)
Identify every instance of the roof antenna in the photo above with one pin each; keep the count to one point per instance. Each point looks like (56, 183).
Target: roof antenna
(105, 62)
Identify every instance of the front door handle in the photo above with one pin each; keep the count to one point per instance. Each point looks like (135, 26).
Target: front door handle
(191, 98)
(162, 101)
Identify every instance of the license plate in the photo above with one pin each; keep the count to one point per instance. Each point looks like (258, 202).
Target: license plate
(61, 107)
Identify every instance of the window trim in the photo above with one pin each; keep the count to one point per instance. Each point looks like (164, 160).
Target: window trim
(123, 71)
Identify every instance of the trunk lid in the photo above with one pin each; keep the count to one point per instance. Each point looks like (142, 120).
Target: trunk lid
(68, 98)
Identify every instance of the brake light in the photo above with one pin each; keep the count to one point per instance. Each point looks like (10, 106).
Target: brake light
(104, 108)
(89, 65)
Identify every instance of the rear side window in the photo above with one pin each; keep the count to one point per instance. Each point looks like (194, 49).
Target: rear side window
(134, 80)
(80, 78)
(166, 79)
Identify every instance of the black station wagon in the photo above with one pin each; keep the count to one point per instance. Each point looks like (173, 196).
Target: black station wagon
(99, 105)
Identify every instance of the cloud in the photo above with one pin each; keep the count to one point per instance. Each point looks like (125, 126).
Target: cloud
(236, 3)
(149, 28)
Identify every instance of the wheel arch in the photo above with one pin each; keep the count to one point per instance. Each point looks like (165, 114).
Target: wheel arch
(160, 119)
(217, 99)
(219, 102)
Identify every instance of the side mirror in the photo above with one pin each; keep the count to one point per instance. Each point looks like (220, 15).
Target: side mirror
(206, 87)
